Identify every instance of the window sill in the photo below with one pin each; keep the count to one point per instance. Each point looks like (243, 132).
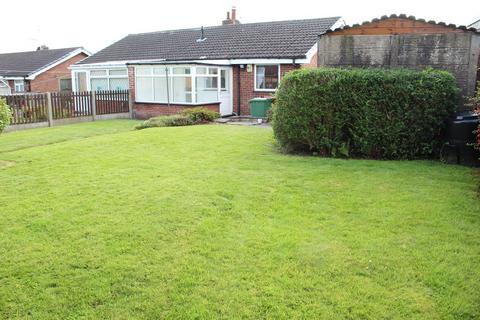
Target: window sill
(265, 90)
(179, 103)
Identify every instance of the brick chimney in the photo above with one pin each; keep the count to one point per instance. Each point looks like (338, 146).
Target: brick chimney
(233, 19)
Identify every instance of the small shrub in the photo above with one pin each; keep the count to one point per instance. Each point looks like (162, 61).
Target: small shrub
(5, 114)
(200, 114)
(166, 121)
(475, 104)
(375, 113)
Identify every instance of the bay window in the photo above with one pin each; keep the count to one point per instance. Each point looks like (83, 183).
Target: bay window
(267, 77)
(178, 84)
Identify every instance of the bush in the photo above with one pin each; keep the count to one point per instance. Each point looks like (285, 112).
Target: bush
(474, 102)
(375, 113)
(200, 114)
(166, 121)
(186, 117)
(5, 114)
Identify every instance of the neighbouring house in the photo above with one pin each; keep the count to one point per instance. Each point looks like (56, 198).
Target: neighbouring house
(405, 42)
(475, 25)
(42, 70)
(220, 67)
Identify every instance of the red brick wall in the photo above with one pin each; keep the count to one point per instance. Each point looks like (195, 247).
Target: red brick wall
(50, 80)
(247, 87)
(148, 110)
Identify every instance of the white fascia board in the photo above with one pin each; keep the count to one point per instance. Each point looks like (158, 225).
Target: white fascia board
(220, 62)
(100, 65)
(313, 50)
(63, 59)
(339, 24)
(265, 61)
(225, 62)
(14, 78)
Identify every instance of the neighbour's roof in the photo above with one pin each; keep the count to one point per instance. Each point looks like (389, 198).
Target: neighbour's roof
(475, 25)
(279, 39)
(404, 16)
(23, 64)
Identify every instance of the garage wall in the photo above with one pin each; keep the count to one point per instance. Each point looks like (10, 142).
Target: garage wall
(454, 52)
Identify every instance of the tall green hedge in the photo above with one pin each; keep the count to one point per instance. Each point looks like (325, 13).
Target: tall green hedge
(374, 113)
(5, 114)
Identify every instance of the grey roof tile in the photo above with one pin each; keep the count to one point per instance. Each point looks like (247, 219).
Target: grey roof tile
(22, 64)
(278, 39)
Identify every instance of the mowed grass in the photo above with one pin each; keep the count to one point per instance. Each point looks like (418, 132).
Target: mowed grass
(212, 222)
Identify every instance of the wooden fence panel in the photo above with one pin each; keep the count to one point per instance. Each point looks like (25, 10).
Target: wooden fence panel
(32, 108)
(28, 108)
(109, 102)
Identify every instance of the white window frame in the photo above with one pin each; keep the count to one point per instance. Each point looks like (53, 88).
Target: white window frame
(255, 77)
(193, 74)
(107, 76)
(19, 83)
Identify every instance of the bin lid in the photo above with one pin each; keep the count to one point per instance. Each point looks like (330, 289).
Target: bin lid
(261, 99)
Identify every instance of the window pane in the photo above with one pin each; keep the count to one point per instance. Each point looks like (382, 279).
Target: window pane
(100, 84)
(118, 72)
(143, 71)
(212, 70)
(267, 77)
(224, 80)
(65, 84)
(118, 84)
(19, 86)
(207, 90)
(181, 70)
(201, 70)
(159, 71)
(160, 89)
(144, 89)
(97, 73)
(182, 89)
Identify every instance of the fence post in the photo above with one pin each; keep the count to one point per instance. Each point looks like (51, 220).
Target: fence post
(49, 109)
(130, 104)
(94, 105)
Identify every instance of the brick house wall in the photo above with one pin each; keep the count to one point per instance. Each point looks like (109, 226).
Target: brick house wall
(247, 87)
(49, 80)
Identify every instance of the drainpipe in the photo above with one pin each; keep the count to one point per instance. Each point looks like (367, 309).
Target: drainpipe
(238, 90)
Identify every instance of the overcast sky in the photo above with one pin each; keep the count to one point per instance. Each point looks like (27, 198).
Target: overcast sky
(94, 24)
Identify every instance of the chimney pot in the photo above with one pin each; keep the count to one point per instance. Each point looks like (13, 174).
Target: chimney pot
(234, 15)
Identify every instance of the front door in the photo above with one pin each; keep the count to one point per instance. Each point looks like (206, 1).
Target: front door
(226, 99)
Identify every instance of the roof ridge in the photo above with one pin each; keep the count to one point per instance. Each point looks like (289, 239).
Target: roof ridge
(233, 25)
(32, 51)
(409, 17)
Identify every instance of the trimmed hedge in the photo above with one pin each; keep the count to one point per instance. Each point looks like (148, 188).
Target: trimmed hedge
(200, 114)
(175, 120)
(5, 114)
(374, 113)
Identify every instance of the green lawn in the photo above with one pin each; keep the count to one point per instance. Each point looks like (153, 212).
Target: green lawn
(98, 221)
